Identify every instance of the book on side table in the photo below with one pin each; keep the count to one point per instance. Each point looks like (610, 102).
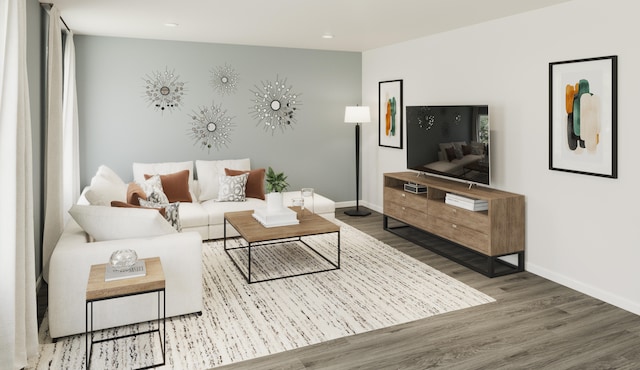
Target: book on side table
(138, 269)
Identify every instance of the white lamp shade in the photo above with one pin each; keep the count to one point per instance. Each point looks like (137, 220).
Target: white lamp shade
(357, 114)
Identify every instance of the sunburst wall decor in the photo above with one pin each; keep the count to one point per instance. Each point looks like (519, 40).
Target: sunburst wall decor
(225, 80)
(164, 90)
(275, 105)
(211, 127)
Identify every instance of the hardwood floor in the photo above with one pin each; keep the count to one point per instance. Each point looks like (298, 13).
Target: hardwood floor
(534, 324)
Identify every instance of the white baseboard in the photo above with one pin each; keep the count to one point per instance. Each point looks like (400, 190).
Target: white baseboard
(625, 304)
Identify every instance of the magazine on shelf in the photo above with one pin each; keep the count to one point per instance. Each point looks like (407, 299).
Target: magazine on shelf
(460, 198)
(466, 205)
(137, 270)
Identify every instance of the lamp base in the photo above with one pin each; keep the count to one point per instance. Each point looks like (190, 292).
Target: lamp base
(357, 212)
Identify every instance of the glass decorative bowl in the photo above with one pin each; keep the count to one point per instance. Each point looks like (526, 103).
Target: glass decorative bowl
(123, 259)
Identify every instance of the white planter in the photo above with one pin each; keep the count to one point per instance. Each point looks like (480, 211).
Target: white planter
(274, 202)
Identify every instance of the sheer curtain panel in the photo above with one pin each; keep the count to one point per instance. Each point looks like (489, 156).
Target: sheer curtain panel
(70, 144)
(18, 310)
(53, 198)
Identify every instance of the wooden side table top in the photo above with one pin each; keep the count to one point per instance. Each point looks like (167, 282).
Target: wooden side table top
(253, 231)
(98, 289)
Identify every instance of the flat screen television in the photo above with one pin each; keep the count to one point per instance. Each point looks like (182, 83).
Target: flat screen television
(450, 141)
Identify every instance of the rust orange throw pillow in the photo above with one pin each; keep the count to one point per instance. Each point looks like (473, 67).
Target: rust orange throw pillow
(175, 186)
(255, 182)
(117, 203)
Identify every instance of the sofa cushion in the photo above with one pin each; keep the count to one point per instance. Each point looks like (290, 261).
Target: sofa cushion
(192, 215)
(209, 171)
(114, 223)
(175, 186)
(106, 186)
(232, 188)
(163, 168)
(215, 210)
(255, 182)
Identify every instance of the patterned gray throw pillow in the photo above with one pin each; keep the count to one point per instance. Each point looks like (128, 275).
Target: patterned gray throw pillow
(232, 188)
(171, 211)
(153, 188)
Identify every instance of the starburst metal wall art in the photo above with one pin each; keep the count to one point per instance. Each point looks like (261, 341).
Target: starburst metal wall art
(275, 105)
(164, 90)
(211, 127)
(225, 80)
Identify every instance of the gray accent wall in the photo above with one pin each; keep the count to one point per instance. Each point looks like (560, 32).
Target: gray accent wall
(119, 127)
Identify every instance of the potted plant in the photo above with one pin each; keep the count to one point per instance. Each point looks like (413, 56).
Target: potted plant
(276, 184)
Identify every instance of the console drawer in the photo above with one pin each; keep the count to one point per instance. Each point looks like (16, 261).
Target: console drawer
(474, 220)
(415, 201)
(405, 214)
(461, 234)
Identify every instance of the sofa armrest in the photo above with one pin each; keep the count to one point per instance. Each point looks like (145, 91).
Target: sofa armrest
(181, 257)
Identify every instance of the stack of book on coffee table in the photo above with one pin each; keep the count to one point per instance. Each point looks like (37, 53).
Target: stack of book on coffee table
(466, 203)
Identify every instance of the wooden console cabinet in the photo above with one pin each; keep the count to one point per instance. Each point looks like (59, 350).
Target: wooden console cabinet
(475, 239)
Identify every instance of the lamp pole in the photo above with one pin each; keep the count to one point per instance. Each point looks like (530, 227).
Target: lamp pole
(352, 116)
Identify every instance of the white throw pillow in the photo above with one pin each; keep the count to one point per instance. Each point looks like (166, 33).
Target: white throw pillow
(232, 188)
(105, 187)
(115, 223)
(163, 168)
(209, 173)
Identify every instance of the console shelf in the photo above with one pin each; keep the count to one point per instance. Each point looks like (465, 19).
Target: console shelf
(475, 239)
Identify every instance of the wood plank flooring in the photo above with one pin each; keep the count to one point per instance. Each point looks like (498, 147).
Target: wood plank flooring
(535, 324)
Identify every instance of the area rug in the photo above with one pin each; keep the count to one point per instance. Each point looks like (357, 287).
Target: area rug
(376, 287)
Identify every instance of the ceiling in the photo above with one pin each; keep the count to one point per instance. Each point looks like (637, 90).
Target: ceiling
(357, 25)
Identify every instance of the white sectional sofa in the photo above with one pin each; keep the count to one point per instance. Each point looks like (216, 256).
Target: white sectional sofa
(107, 229)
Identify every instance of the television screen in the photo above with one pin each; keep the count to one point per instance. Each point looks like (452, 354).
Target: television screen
(450, 141)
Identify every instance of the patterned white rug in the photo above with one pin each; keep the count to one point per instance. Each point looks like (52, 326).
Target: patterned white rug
(376, 287)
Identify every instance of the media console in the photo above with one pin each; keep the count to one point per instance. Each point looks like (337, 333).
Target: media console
(475, 239)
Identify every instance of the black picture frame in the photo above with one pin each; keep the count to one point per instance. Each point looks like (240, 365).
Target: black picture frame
(583, 116)
(390, 114)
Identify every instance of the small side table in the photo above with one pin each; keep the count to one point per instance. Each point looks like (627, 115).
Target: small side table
(99, 290)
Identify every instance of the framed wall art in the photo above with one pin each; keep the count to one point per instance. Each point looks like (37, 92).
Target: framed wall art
(583, 125)
(390, 114)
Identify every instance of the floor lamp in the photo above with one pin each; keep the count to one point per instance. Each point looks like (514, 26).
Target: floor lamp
(357, 115)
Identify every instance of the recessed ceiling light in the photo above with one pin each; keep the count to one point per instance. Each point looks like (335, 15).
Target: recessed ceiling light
(327, 36)
(171, 24)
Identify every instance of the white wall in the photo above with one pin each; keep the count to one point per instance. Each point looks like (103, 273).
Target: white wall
(581, 230)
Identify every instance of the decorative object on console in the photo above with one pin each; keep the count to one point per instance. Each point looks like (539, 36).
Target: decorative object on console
(225, 79)
(583, 116)
(275, 105)
(357, 115)
(211, 127)
(163, 90)
(390, 114)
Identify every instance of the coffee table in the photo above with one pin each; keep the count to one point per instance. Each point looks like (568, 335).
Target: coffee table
(256, 235)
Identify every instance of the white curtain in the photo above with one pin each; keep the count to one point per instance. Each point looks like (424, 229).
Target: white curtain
(53, 197)
(18, 309)
(70, 165)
